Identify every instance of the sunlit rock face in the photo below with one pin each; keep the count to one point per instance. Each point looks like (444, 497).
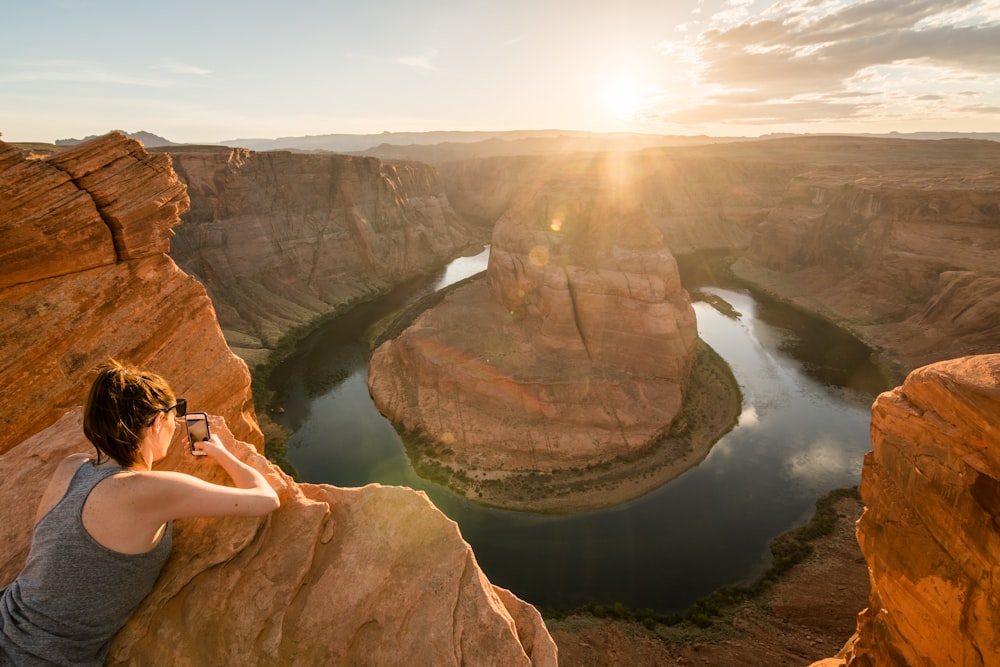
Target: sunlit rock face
(575, 349)
(699, 198)
(89, 278)
(930, 532)
(897, 240)
(367, 576)
(280, 239)
(374, 576)
(894, 239)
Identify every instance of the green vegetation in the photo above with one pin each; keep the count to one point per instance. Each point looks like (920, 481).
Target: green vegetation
(787, 551)
(717, 302)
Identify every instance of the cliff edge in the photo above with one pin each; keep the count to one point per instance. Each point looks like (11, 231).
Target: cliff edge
(931, 528)
(374, 575)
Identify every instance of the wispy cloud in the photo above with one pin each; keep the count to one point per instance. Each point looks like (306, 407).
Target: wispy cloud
(813, 60)
(71, 71)
(421, 61)
(177, 67)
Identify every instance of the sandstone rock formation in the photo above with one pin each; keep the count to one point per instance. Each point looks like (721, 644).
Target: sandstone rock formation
(930, 532)
(86, 235)
(280, 239)
(367, 576)
(576, 348)
(700, 198)
(894, 239)
(374, 575)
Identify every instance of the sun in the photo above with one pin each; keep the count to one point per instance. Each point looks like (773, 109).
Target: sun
(623, 96)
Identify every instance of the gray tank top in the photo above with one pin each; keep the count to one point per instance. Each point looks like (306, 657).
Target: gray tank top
(73, 594)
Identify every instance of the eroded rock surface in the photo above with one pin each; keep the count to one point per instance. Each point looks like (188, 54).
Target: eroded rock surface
(368, 576)
(97, 219)
(894, 239)
(931, 487)
(280, 239)
(575, 349)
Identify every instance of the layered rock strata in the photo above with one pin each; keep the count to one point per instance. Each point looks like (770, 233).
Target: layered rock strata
(374, 575)
(87, 233)
(930, 531)
(893, 239)
(574, 350)
(280, 239)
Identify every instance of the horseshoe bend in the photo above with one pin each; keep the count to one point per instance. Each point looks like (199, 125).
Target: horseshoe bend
(575, 350)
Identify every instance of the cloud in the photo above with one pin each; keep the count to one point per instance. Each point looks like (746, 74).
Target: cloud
(814, 60)
(70, 71)
(421, 61)
(176, 67)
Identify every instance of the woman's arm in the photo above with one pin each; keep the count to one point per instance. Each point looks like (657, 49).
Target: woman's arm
(174, 495)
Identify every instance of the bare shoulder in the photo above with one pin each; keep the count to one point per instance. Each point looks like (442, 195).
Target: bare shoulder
(65, 471)
(59, 482)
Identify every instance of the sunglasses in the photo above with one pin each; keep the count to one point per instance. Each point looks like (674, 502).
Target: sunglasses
(180, 406)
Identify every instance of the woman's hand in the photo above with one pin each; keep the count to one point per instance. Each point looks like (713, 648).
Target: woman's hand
(212, 447)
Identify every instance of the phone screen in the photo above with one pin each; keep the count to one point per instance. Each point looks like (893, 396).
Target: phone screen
(197, 427)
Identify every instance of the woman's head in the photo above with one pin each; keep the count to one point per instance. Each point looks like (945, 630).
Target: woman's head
(123, 403)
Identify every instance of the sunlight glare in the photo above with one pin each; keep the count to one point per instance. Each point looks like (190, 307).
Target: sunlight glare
(623, 97)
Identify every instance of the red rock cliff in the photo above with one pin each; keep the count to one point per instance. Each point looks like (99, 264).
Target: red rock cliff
(282, 238)
(930, 533)
(85, 276)
(374, 575)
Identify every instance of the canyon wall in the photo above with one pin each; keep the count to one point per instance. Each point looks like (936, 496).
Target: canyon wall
(575, 349)
(280, 239)
(930, 533)
(698, 201)
(374, 575)
(895, 240)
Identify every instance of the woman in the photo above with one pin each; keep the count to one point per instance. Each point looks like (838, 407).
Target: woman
(103, 527)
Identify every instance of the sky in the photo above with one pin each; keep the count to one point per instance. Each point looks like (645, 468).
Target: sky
(215, 70)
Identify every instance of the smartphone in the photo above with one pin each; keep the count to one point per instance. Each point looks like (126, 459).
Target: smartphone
(197, 430)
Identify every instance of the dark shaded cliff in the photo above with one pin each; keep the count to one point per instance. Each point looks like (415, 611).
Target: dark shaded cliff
(280, 239)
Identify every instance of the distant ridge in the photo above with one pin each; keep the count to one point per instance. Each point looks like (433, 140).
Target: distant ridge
(440, 146)
(355, 143)
(148, 139)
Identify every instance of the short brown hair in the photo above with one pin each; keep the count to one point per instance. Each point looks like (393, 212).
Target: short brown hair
(121, 404)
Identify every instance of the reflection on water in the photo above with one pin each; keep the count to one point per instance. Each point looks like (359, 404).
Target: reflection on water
(802, 431)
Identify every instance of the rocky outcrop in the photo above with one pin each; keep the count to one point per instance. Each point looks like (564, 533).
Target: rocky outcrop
(374, 575)
(97, 220)
(367, 576)
(930, 531)
(576, 348)
(280, 239)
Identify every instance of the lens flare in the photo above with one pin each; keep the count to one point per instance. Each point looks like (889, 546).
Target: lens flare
(539, 255)
(556, 224)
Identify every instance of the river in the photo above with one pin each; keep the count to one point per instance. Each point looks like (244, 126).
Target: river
(803, 430)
